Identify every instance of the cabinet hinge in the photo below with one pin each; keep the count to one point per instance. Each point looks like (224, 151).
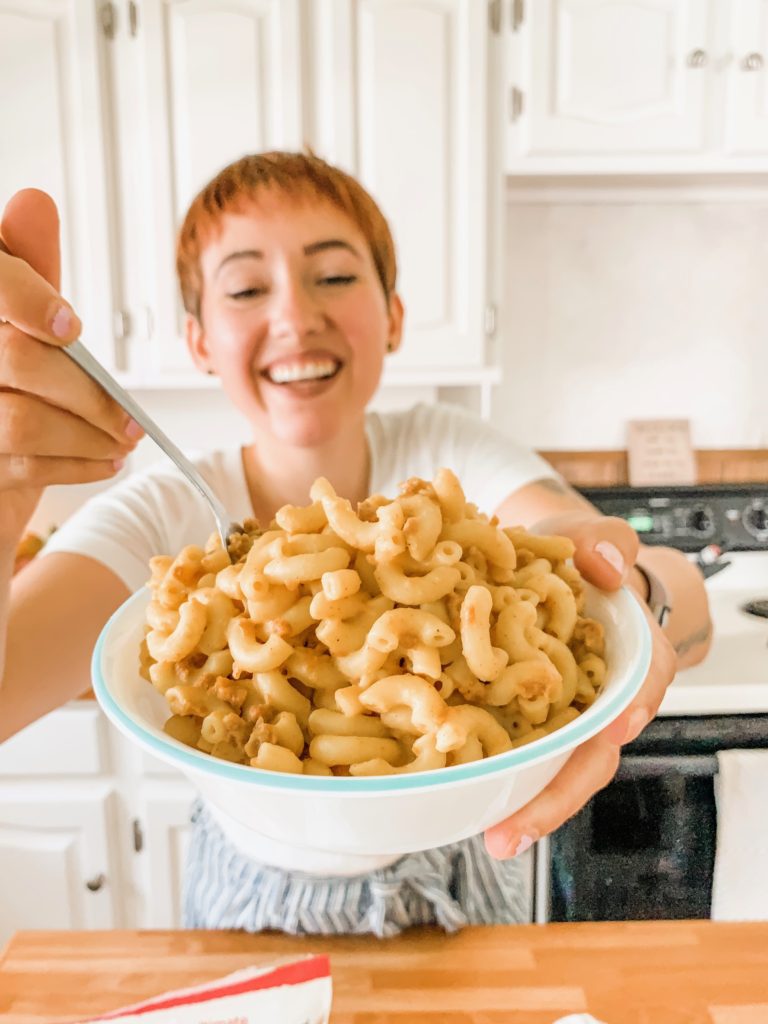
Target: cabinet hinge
(121, 324)
(108, 18)
(149, 322)
(516, 103)
(518, 13)
(133, 18)
(494, 15)
(138, 836)
(490, 320)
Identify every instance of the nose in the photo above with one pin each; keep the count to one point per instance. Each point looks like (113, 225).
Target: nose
(296, 311)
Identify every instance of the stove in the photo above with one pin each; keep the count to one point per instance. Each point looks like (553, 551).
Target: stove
(645, 846)
(724, 529)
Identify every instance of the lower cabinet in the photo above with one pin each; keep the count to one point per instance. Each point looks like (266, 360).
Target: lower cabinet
(58, 863)
(93, 834)
(161, 833)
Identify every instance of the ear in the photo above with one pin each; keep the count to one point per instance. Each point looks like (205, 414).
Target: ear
(197, 343)
(396, 315)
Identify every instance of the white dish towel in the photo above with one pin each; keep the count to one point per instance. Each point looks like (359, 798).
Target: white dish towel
(740, 885)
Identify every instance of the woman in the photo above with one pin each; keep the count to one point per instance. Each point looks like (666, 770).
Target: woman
(287, 271)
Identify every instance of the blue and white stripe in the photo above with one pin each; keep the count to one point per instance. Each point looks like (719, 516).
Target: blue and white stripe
(450, 887)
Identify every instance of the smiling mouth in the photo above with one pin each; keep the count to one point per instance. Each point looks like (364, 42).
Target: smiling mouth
(304, 372)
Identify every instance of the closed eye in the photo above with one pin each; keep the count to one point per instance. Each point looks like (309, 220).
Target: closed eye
(247, 293)
(339, 279)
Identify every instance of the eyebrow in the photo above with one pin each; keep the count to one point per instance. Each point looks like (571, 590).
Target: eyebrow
(309, 250)
(241, 254)
(330, 243)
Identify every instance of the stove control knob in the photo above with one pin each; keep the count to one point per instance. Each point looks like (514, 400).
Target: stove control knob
(756, 520)
(701, 521)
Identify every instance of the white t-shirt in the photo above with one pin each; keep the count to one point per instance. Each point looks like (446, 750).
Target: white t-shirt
(158, 512)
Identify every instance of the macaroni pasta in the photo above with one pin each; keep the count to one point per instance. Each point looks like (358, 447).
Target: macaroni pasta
(404, 635)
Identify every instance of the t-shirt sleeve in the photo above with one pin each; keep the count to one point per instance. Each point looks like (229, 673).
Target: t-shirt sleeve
(489, 464)
(126, 525)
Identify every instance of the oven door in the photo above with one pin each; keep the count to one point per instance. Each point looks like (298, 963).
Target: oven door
(644, 847)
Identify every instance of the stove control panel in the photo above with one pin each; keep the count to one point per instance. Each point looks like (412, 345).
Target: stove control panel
(732, 517)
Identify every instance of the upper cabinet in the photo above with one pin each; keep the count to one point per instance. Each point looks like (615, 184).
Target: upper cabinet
(636, 85)
(218, 80)
(394, 91)
(399, 99)
(746, 119)
(52, 138)
(126, 109)
(123, 110)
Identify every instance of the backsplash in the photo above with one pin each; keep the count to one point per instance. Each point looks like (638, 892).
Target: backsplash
(618, 310)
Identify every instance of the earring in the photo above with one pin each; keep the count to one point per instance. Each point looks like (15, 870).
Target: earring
(390, 347)
(210, 373)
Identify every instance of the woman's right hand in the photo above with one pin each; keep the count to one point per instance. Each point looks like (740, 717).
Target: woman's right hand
(56, 425)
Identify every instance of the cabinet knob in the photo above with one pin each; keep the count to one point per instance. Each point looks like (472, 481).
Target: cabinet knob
(96, 883)
(752, 62)
(697, 59)
(108, 16)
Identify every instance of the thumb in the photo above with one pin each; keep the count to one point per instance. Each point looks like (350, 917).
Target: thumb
(606, 546)
(29, 229)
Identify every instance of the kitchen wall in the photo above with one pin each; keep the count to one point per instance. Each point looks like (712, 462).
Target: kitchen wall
(647, 304)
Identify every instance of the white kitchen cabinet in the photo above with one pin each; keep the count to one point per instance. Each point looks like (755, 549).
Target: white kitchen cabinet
(93, 832)
(615, 77)
(367, 62)
(51, 137)
(399, 99)
(57, 867)
(746, 132)
(216, 81)
(162, 835)
(131, 106)
(636, 86)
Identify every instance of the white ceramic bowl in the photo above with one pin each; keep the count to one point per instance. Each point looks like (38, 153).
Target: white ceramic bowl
(339, 826)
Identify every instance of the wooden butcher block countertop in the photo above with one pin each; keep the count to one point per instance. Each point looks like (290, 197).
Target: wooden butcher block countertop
(667, 972)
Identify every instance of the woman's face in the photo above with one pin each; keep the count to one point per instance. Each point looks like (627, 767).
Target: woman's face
(294, 318)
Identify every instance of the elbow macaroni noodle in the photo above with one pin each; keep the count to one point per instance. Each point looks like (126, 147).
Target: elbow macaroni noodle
(406, 635)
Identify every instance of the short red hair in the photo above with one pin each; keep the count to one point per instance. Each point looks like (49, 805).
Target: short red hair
(300, 176)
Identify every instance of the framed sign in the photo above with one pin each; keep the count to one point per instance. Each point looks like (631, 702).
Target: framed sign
(660, 452)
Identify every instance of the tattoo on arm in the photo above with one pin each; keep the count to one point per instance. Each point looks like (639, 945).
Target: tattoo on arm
(699, 637)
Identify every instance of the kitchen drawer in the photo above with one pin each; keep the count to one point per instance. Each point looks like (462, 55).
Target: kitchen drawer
(69, 741)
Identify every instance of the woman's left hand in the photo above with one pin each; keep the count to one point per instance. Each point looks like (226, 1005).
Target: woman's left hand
(606, 550)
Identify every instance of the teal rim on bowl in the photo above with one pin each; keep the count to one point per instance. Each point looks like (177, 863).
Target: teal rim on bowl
(601, 713)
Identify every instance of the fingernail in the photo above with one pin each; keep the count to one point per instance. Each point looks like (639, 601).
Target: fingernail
(611, 554)
(520, 844)
(637, 722)
(133, 431)
(63, 322)
(118, 464)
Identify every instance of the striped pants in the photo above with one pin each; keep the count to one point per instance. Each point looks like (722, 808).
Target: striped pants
(451, 887)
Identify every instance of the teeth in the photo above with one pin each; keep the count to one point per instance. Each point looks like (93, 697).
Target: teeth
(291, 373)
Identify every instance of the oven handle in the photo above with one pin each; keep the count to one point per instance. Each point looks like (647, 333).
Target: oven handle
(654, 766)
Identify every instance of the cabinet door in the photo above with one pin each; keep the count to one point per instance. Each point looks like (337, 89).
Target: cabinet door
(216, 81)
(399, 96)
(51, 138)
(746, 129)
(610, 77)
(56, 868)
(164, 823)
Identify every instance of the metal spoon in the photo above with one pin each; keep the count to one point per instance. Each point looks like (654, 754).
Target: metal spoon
(80, 355)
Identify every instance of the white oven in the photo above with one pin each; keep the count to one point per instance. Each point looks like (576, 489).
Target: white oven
(647, 845)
